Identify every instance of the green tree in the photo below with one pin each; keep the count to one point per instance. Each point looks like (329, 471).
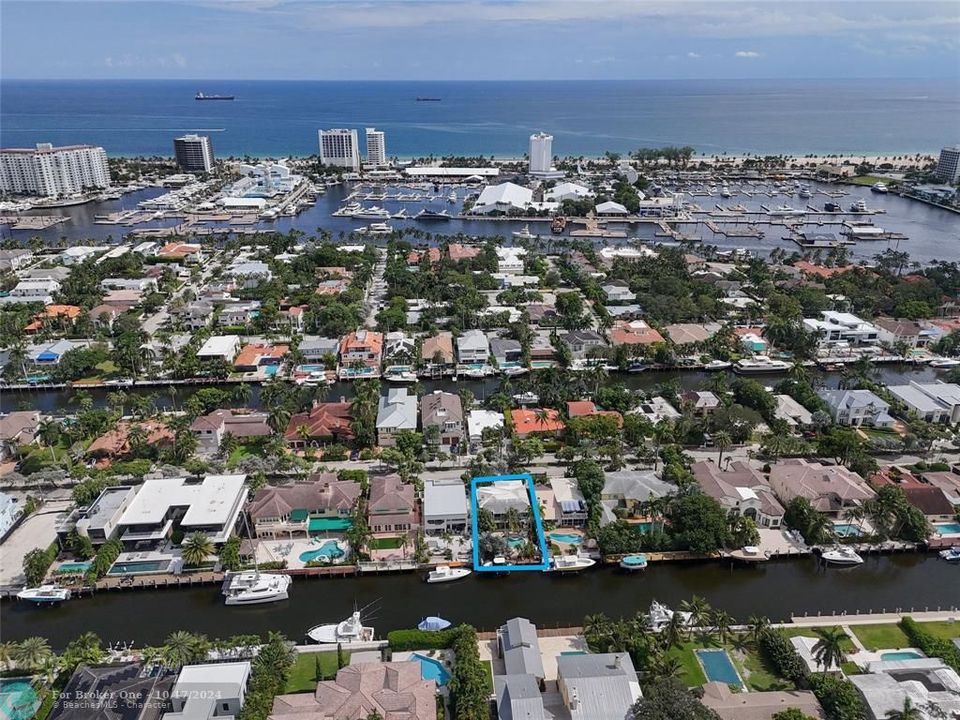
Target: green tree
(909, 711)
(669, 699)
(196, 548)
(32, 652)
(828, 650)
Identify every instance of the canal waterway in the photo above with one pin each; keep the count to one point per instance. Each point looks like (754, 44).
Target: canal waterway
(779, 589)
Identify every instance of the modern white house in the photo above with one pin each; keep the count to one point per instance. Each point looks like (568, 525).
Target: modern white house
(214, 690)
(225, 347)
(510, 260)
(842, 328)
(444, 507)
(480, 420)
(936, 402)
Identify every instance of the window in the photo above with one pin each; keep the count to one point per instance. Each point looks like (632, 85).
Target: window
(225, 706)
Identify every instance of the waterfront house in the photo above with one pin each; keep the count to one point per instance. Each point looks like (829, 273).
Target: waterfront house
(536, 421)
(436, 352)
(500, 497)
(700, 402)
(914, 334)
(936, 402)
(792, 413)
(324, 422)
(931, 500)
(946, 481)
(49, 353)
(115, 443)
(97, 692)
(581, 342)
(597, 686)
(473, 347)
(220, 347)
(225, 687)
(518, 698)
(443, 411)
(740, 490)
(382, 689)
(294, 509)
(162, 506)
(398, 347)
(634, 332)
(15, 259)
(518, 645)
(459, 252)
(930, 684)
(617, 292)
(841, 329)
(243, 425)
(857, 407)
(393, 505)
(257, 356)
(681, 334)
(569, 505)
(586, 408)
(444, 507)
(10, 512)
(362, 346)
(831, 489)
(506, 351)
(730, 705)
(542, 352)
(316, 349)
(18, 429)
(100, 520)
(628, 490)
(396, 411)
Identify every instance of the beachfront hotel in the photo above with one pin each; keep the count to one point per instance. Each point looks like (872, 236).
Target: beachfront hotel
(376, 148)
(541, 153)
(339, 147)
(194, 153)
(948, 166)
(53, 171)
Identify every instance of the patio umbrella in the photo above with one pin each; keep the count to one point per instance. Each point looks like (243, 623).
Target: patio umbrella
(433, 623)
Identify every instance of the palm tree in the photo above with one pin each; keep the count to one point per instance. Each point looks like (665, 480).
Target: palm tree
(908, 712)
(49, 433)
(242, 393)
(303, 432)
(196, 548)
(758, 625)
(7, 649)
(179, 649)
(828, 650)
(721, 622)
(675, 632)
(32, 652)
(699, 610)
(722, 441)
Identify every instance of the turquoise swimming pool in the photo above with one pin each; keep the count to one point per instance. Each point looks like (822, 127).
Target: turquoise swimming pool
(68, 568)
(330, 550)
(569, 538)
(18, 700)
(134, 567)
(271, 370)
(431, 669)
(718, 667)
(900, 655)
(947, 528)
(310, 368)
(516, 542)
(846, 530)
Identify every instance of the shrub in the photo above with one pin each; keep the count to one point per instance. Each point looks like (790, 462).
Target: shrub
(421, 640)
(931, 645)
(838, 696)
(780, 653)
(470, 685)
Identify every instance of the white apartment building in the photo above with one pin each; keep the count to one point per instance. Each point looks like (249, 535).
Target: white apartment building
(194, 153)
(541, 153)
(948, 166)
(339, 147)
(841, 328)
(376, 148)
(53, 171)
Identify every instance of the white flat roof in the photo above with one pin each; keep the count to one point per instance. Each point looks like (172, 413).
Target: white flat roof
(220, 345)
(210, 502)
(452, 171)
(444, 498)
(219, 677)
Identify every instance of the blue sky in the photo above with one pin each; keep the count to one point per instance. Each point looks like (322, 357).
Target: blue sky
(478, 39)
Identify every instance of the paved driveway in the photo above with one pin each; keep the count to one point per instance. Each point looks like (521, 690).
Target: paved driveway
(37, 531)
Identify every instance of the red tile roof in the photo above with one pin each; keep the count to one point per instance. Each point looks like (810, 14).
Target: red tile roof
(634, 333)
(525, 421)
(325, 420)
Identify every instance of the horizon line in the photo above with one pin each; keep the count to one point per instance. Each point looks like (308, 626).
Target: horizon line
(489, 80)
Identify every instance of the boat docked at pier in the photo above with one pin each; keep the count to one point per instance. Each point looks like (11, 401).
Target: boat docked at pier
(255, 588)
(570, 564)
(783, 210)
(715, 365)
(445, 573)
(351, 630)
(380, 228)
(432, 215)
(400, 376)
(374, 212)
(524, 234)
(950, 554)
(760, 365)
(860, 206)
(880, 187)
(944, 363)
(842, 555)
(45, 594)
(660, 616)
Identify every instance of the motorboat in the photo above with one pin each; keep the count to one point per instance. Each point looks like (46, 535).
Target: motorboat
(433, 624)
(514, 371)
(44, 594)
(403, 376)
(660, 615)
(452, 197)
(951, 554)
(842, 555)
(432, 215)
(376, 229)
(524, 234)
(345, 632)
(570, 564)
(717, 365)
(944, 363)
(374, 212)
(760, 365)
(480, 372)
(786, 210)
(633, 562)
(804, 192)
(725, 192)
(880, 187)
(349, 210)
(526, 398)
(860, 206)
(253, 588)
(445, 573)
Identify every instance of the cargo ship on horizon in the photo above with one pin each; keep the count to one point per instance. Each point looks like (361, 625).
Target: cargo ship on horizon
(201, 96)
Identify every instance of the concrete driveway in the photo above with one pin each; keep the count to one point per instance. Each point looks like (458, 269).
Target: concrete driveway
(37, 531)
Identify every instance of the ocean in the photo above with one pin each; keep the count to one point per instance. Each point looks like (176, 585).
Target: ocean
(274, 118)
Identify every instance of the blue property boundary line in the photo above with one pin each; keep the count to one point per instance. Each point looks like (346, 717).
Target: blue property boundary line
(534, 509)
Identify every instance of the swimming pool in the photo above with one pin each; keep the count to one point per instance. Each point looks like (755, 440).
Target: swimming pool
(947, 528)
(431, 669)
(718, 667)
(330, 550)
(18, 700)
(72, 567)
(901, 655)
(516, 542)
(331, 524)
(133, 567)
(569, 538)
(270, 370)
(846, 530)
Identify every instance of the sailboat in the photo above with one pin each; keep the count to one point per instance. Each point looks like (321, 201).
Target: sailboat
(251, 587)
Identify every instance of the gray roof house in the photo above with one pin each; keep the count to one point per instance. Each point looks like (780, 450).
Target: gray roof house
(520, 648)
(857, 407)
(315, 347)
(597, 687)
(628, 488)
(580, 341)
(617, 291)
(444, 506)
(505, 350)
(518, 698)
(936, 402)
(443, 411)
(396, 411)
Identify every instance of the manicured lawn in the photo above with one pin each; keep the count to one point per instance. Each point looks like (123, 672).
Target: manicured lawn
(489, 666)
(691, 673)
(759, 675)
(946, 630)
(848, 645)
(389, 543)
(881, 637)
(239, 453)
(303, 676)
(866, 180)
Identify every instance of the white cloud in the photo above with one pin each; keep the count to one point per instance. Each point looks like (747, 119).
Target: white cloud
(746, 54)
(693, 55)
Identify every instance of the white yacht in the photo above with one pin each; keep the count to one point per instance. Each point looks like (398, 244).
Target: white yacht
(348, 631)
(725, 192)
(842, 555)
(349, 210)
(401, 376)
(785, 210)
(760, 365)
(452, 197)
(44, 594)
(880, 187)
(380, 228)
(524, 234)
(944, 363)
(804, 192)
(514, 371)
(480, 372)
(860, 206)
(660, 615)
(570, 564)
(374, 212)
(951, 554)
(254, 587)
(445, 573)
(717, 365)
(526, 398)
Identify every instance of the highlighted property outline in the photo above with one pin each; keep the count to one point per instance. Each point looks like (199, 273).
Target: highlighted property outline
(534, 509)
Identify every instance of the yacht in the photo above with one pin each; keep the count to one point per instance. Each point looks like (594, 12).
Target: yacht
(760, 365)
(432, 215)
(526, 398)
(785, 210)
(860, 206)
(452, 197)
(44, 594)
(660, 615)
(951, 554)
(842, 555)
(633, 562)
(725, 192)
(570, 564)
(374, 212)
(345, 632)
(380, 228)
(514, 371)
(349, 210)
(880, 187)
(717, 365)
(400, 214)
(524, 234)
(480, 372)
(804, 192)
(253, 588)
(445, 573)
(944, 363)
(400, 376)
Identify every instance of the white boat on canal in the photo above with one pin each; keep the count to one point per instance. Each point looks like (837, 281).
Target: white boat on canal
(255, 588)
(570, 564)
(351, 630)
(445, 573)
(843, 556)
(44, 594)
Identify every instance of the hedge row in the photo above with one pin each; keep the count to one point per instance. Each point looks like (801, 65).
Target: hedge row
(421, 640)
(783, 656)
(931, 645)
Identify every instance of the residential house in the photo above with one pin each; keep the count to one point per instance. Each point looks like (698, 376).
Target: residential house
(49, 353)
(831, 489)
(740, 490)
(510, 260)
(792, 413)
(443, 410)
(396, 411)
(530, 421)
(681, 334)
(634, 332)
(543, 314)
(316, 349)
(97, 692)
(393, 505)
(10, 512)
(500, 497)
(238, 313)
(519, 646)
(936, 402)
(444, 507)
(946, 481)
(398, 347)
(369, 689)
(857, 407)
(473, 347)
(56, 316)
(910, 332)
(123, 298)
(255, 356)
(459, 252)
(730, 705)
(243, 425)
(931, 500)
(212, 690)
(480, 420)
(115, 443)
(294, 509)
(362, 346)
(701, 402)
(100, 520)
(249, 274)
(618, 291)
(15, 259)
(930, 684)
(542, 352)
(324, 422)
(506, 351)
(842, 329)
(629, 490)
(656, 410)
(630, 311)
(586, 408)
(143, 284)
(569, 505)
(581, 342)
(518, 698)
(436, 352)
(18, 429)
(184, 252)
(598, 686)
(104, 316)
(29, 291)
(220, 347)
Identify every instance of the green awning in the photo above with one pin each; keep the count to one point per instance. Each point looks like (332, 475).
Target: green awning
(298, 515)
